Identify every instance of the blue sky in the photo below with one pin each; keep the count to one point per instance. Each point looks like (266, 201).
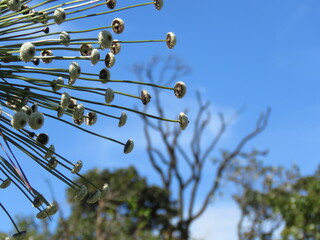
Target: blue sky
(252, 54)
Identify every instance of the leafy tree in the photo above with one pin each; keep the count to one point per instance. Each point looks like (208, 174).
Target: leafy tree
(276, 199)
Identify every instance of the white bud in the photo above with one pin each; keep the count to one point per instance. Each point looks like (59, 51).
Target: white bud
(93, 198)
(78, 111)
(77, 167)
(105, 39)
(65, 100)
(180, 89)
(129, 146)
(123, 119)
(59, 16)
(171, 40)
(27, 52)
(36, 120)
(95, 56)
(74, 71)
(183, 118)
(145, 97)
(109, 96)
(19, 120)
(109, 60)
(13, 5)
(65, 38)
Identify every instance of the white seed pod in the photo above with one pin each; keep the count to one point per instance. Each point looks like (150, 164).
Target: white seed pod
(52, 164)
(109, 60)
(180, 89)
(95, 56)
(171, 40)
(86, 49)
(78, 111)
(20, 235)
(65, 38)
(13, 5)
(59, 16)
(115, 48)
(105, 39)
(145, 97)
(74, 72)
(104, 191)
(77, 167)
(91, 118)
(184, 121)
(158, 4)
(46, 53)
(50, 151)
(54, 84)
(27, 52)
(94, 197)
(83, 191)
(123, 119)
(19, 120)
(36, 120)
(104, 75)
(52, 208)
(109, 96)
(129, 146)
(60, 112)
(6, 183)
(117, 25)
(65, 100)
(27, 109)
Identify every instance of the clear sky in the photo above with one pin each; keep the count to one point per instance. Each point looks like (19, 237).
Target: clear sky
(253, 54)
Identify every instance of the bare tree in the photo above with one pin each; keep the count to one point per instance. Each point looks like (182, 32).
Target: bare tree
(171, 159)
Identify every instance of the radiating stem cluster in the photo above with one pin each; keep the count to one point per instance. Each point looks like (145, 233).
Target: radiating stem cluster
(31, 92)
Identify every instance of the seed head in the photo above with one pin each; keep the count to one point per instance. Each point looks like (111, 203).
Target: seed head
(74, 71)
(78, 111)
(145, 97)
(36, 120)
(77, 167)
(27, 52)
(105, 39)
(13, 5)
(94, 197)
(42, 138)
(180, 89)
(37, 201)
(50, 151)
(104, 75)
(129, 146)
(83, 191)
(52, 208)
(85, 49)
(91, 118)
(111, 4)
(6, 183)
(46, 53)
(54, 84)
(109, 60)
(59, 16)
(115, 48)
(158, 4)
(117, 25)
(109, 96)
(123, 119)
(95, 56)
(184, 121)
(19, 120)
(171, 40)
(20, 235)
(65, 38)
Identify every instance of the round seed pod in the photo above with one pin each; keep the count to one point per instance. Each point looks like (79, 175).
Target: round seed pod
(145, 97)
(115, 48)
(158, 4)
(19, 120)
(184, 121)
(129, 146)
(104, 75)
(77, 167)
(109, 60)
(65, 38)
(95, 56)
(74, 72)
(109, 95)
(59, 16)
(27, 52)
(117, 25)
(105, 39)
(83, 191)
(171, 40)
(46, 53)
(94, 197)
(111, 4)
(36, 120)
(180, 89)
(42, 138)
(86, 49)
(123, 119)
